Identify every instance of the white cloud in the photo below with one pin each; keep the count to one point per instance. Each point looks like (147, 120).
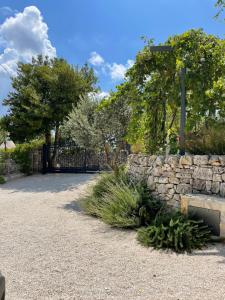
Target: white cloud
(118, 71)
(96, 59)
(102, 95)
(99, 96)
(22, 36)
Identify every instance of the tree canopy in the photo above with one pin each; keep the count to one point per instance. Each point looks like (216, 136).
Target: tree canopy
(44, 93)
(153, 87)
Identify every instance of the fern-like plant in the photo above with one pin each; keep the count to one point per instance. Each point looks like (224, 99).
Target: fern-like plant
(174, 231)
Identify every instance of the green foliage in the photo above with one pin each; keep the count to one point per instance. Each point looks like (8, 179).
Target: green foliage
(2, 180)
(99, 126)
(152, 89)
(121, 203)
(118, 206)
(220, 4)
(174, 231)
(208, 140)
(43, 95)
(21, 155)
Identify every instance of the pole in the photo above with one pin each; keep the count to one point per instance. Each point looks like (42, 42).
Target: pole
(183, 112)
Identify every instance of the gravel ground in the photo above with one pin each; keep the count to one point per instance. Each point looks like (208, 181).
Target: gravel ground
(51, 250)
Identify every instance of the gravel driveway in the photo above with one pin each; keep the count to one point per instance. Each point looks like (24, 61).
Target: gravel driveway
(51, 250)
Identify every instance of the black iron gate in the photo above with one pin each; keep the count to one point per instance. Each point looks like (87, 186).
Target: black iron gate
(69, 158)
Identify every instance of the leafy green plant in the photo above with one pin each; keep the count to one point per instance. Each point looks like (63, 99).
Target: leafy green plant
(118, 206)
(121, 203)
(21, 155)
(2, 180)
(174, 231)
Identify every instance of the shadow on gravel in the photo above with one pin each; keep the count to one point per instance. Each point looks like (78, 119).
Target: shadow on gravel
(53, 183)
(75, 206)
(213, 250)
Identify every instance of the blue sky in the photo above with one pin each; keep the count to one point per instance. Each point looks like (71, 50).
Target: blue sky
(109, 29)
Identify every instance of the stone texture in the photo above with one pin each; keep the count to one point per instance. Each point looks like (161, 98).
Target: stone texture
(214, 160)
(222, 189)
(173, 175)
(217, 177)
(203, 173)
(183, 188)
(186, 160)
(200, 160)
(199, 184)
(174, 180)
(215, 187)
(151, 183)
(163, 180)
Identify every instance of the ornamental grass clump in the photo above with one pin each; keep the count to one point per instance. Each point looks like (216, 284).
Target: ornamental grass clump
(174, 231)
(120, 202)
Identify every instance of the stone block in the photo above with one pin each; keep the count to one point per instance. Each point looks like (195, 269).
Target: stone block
(222, 189)
(163, 180)
(199, 184)
(183, 175)
(218, 170)
(202, 173)
(157, 171)
(174, 180)
(183, 188)
(186, 160)
(217, 177)
(214, 160)
(222, 160)
(214, 203)
(159, 161)
(200, 160)
(215, 187)
(151, 183)
(208, 186)
(172, 160)
(162, 188)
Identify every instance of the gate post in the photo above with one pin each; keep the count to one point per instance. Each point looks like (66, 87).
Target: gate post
(44, 158)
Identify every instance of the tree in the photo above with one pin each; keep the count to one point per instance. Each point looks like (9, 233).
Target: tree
(153, 87)
(220, 4)
(45, 91)
(99, 126)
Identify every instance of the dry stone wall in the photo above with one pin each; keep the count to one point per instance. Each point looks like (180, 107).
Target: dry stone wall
(168, 177)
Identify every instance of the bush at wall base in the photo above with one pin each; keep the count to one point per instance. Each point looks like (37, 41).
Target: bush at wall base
(174, 231)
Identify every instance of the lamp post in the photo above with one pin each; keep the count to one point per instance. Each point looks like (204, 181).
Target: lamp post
(183, 98)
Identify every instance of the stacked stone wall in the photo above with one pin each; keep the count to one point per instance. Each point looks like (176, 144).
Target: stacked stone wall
(168, 177)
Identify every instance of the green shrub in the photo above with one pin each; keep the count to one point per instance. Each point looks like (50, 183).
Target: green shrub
(174, 231)
(21, 155)
(118, 206)
(147, 207)
(121, 203)
(209, 140)
(2, 180)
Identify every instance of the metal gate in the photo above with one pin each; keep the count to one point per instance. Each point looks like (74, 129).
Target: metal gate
(69, 158)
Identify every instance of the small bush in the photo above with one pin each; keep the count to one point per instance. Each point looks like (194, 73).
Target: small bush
(21, 155)
(121, 203)
(118, 206)
(174, 231)
(2, 180)
(209, 140)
